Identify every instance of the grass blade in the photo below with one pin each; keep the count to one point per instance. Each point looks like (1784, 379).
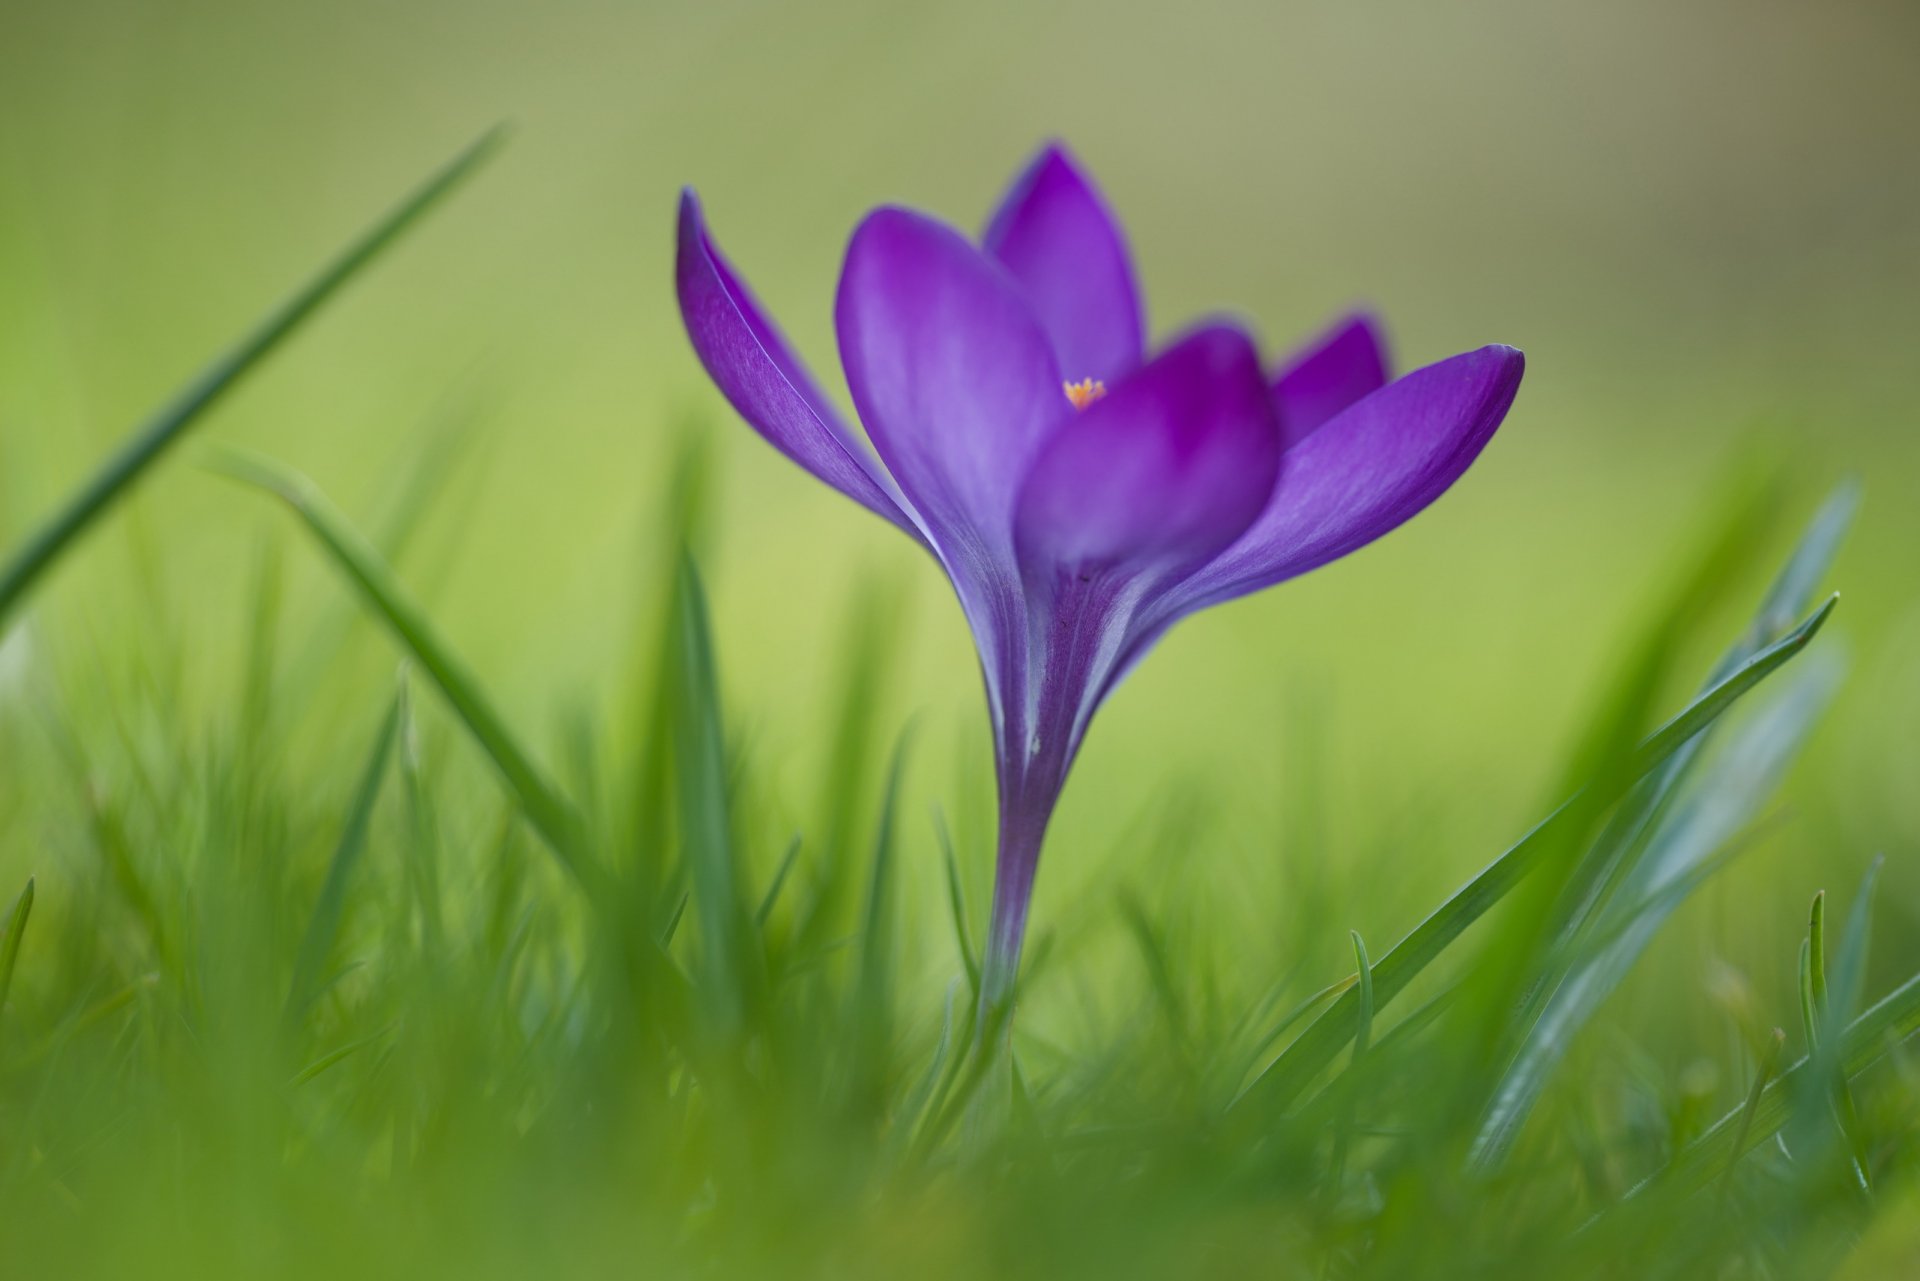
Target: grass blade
(1711, 812)
(774, 886)
(10, 942)
(324, 923)
(1315, 1048)
(700, 766)
(1894, 1019)
(152, 439)
(1362, 1035)
(957, 905)
(549, 812)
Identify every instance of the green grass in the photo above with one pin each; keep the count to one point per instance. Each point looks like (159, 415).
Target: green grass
(335, 972)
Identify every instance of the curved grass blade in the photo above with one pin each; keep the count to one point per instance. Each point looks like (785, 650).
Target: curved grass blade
(328, 909)
(152, 439)
(1306, 1057)
(547, 810)
(10, 941)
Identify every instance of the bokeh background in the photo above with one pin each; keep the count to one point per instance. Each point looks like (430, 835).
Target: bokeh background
(1700, 220)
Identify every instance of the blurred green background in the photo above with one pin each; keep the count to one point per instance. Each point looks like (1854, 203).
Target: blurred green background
(1699, 220)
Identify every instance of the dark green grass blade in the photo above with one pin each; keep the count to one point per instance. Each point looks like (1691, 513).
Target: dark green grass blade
(700, 767)
(317, 942)
(778, 883)
(1287, 1075)
(549, 812)
(10, 942)
(152, 439)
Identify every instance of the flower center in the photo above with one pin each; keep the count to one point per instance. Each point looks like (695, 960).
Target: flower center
(1084, 392)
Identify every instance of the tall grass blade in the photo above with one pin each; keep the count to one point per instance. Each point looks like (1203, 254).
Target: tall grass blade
(152, 439)
(1711, 813)
(700, 766)
(328, 909)
(1315, 1048)
(551, 815)
(10, 943)
(778, 883)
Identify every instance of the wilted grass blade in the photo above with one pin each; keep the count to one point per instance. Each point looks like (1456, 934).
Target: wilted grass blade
(10, 942)
(152, 439)
(549, 813)
(1315, 1048)
(324, 923)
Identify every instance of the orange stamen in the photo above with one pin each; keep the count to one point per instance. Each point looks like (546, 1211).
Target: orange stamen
(1085, 392)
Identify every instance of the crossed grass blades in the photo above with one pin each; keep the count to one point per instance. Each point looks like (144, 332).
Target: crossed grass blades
(715, 1069)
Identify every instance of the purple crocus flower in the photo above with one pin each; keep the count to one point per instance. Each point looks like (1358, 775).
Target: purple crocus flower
(1083, 495)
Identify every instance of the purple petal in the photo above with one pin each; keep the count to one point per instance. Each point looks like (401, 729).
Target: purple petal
(1343, 364)
(1367, 471)
(1160, 475)
(1055, 234)
(952, 376)
(762, 378)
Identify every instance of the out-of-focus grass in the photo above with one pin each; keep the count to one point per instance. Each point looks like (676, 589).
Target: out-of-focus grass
(1689, 220)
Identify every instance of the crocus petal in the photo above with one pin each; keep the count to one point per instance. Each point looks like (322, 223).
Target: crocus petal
(1161, 474)
(760, 376)
(951, 374)
(1053, 232)
(1367, 471)
(1336, 369)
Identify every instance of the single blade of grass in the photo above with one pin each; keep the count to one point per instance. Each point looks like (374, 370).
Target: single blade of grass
(778, 883)
(324, 922)
(706, 834)
(10, 943)
(1315, 1048)
(877, 937)
(152, 439)
(551, 815)
(1813, 969)
(336, 1057)
(957, 905)
(1362, 1034)
(1762, 1076)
